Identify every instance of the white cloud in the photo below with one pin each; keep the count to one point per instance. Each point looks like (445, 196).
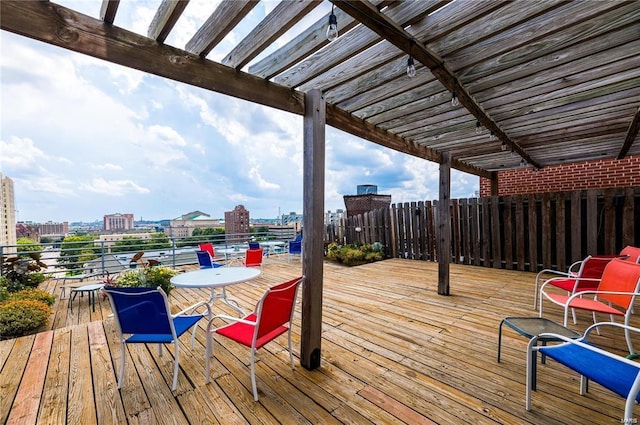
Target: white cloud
(113, 187)
(106, 167)
(254, 173)
(20, 153)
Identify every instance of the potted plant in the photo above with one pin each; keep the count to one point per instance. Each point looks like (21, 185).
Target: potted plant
(151, 277)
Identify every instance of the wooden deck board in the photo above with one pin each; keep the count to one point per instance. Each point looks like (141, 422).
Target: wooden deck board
(393, 351)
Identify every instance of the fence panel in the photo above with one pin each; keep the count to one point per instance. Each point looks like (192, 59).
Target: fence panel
(523, 232)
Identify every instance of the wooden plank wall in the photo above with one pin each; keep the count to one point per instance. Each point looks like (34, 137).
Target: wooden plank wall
(518, 232)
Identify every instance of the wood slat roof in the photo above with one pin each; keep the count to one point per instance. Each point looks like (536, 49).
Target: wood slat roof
(554, 81)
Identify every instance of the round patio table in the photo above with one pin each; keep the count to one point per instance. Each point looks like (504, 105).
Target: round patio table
(219, 277)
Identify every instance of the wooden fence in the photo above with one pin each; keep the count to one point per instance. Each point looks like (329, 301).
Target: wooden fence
(547, 230)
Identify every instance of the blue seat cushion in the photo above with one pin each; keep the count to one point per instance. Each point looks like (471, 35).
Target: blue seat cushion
(180, 323)
(611, 373)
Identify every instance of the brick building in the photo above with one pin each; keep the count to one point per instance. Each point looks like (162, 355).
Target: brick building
(118, 222)
(606, 173)
(236, 221)
(360, 204)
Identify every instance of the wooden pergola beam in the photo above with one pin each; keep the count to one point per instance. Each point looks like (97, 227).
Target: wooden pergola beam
(346, 122)
(108, 10)
(218, 25)
(165, 19)
(378, 22)
(284, 16)
(632, 133)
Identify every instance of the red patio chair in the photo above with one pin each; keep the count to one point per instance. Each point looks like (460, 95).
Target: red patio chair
(208, 247)
(614, 295)
(586, 278)
(632, 253)
(253, 258)
(272, 317)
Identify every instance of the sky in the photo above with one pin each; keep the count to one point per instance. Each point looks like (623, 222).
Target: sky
(81, 137)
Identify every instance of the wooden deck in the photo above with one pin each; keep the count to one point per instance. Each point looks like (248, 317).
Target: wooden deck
(393, 352)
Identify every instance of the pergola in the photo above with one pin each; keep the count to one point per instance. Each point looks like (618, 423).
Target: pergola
(498, 84)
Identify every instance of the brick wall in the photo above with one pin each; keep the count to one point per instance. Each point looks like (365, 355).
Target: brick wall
(567, 177)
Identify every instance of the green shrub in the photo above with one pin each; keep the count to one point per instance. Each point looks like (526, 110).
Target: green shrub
(353, 255)
(21, 317)
(32, 294)
(147, 277)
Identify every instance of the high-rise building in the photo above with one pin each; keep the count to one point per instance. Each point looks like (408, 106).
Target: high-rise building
(118, 221)
(236, 221)
(7, 212)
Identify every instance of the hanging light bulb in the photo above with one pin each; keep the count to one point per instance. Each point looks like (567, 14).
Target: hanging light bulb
(454, 99)
(332, 29)
(492, 136)
(478, 127)
(503, 147)
(411, 67)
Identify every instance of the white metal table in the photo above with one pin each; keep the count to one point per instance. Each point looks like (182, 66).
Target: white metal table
(219, 277)
(273, 247)
(232, 254)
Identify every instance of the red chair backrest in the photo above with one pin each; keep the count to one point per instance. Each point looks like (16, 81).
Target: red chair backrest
(253, 258)
(208, 248)
(592, 268)
(631, 252)
(620, 276)
(275, 309)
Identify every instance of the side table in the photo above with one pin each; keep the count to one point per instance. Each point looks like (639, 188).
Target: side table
(532, 326)
(90, 289)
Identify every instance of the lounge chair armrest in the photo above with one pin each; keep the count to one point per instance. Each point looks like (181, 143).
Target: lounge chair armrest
(579, 342)
(580, 294)
(229, 318)
(194, 307)
(612, 324)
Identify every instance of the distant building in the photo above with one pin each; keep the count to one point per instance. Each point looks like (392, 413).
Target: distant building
(236, 221)
(111, 239)
(118, 222)
(284, 233)
(292, 219)
(7, 212)
(367, 189)
(52, 229)
(183, 226)
(366, 200)
(333, 217)
(27, 230)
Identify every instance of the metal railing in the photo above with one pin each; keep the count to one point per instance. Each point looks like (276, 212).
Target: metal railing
(96, 257)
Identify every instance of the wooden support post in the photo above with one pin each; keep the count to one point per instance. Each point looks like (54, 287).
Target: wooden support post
(444, 225)
(495, 189)
(313, 239)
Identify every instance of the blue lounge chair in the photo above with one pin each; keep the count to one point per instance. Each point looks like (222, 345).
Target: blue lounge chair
(614, 372)
(144, 315)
